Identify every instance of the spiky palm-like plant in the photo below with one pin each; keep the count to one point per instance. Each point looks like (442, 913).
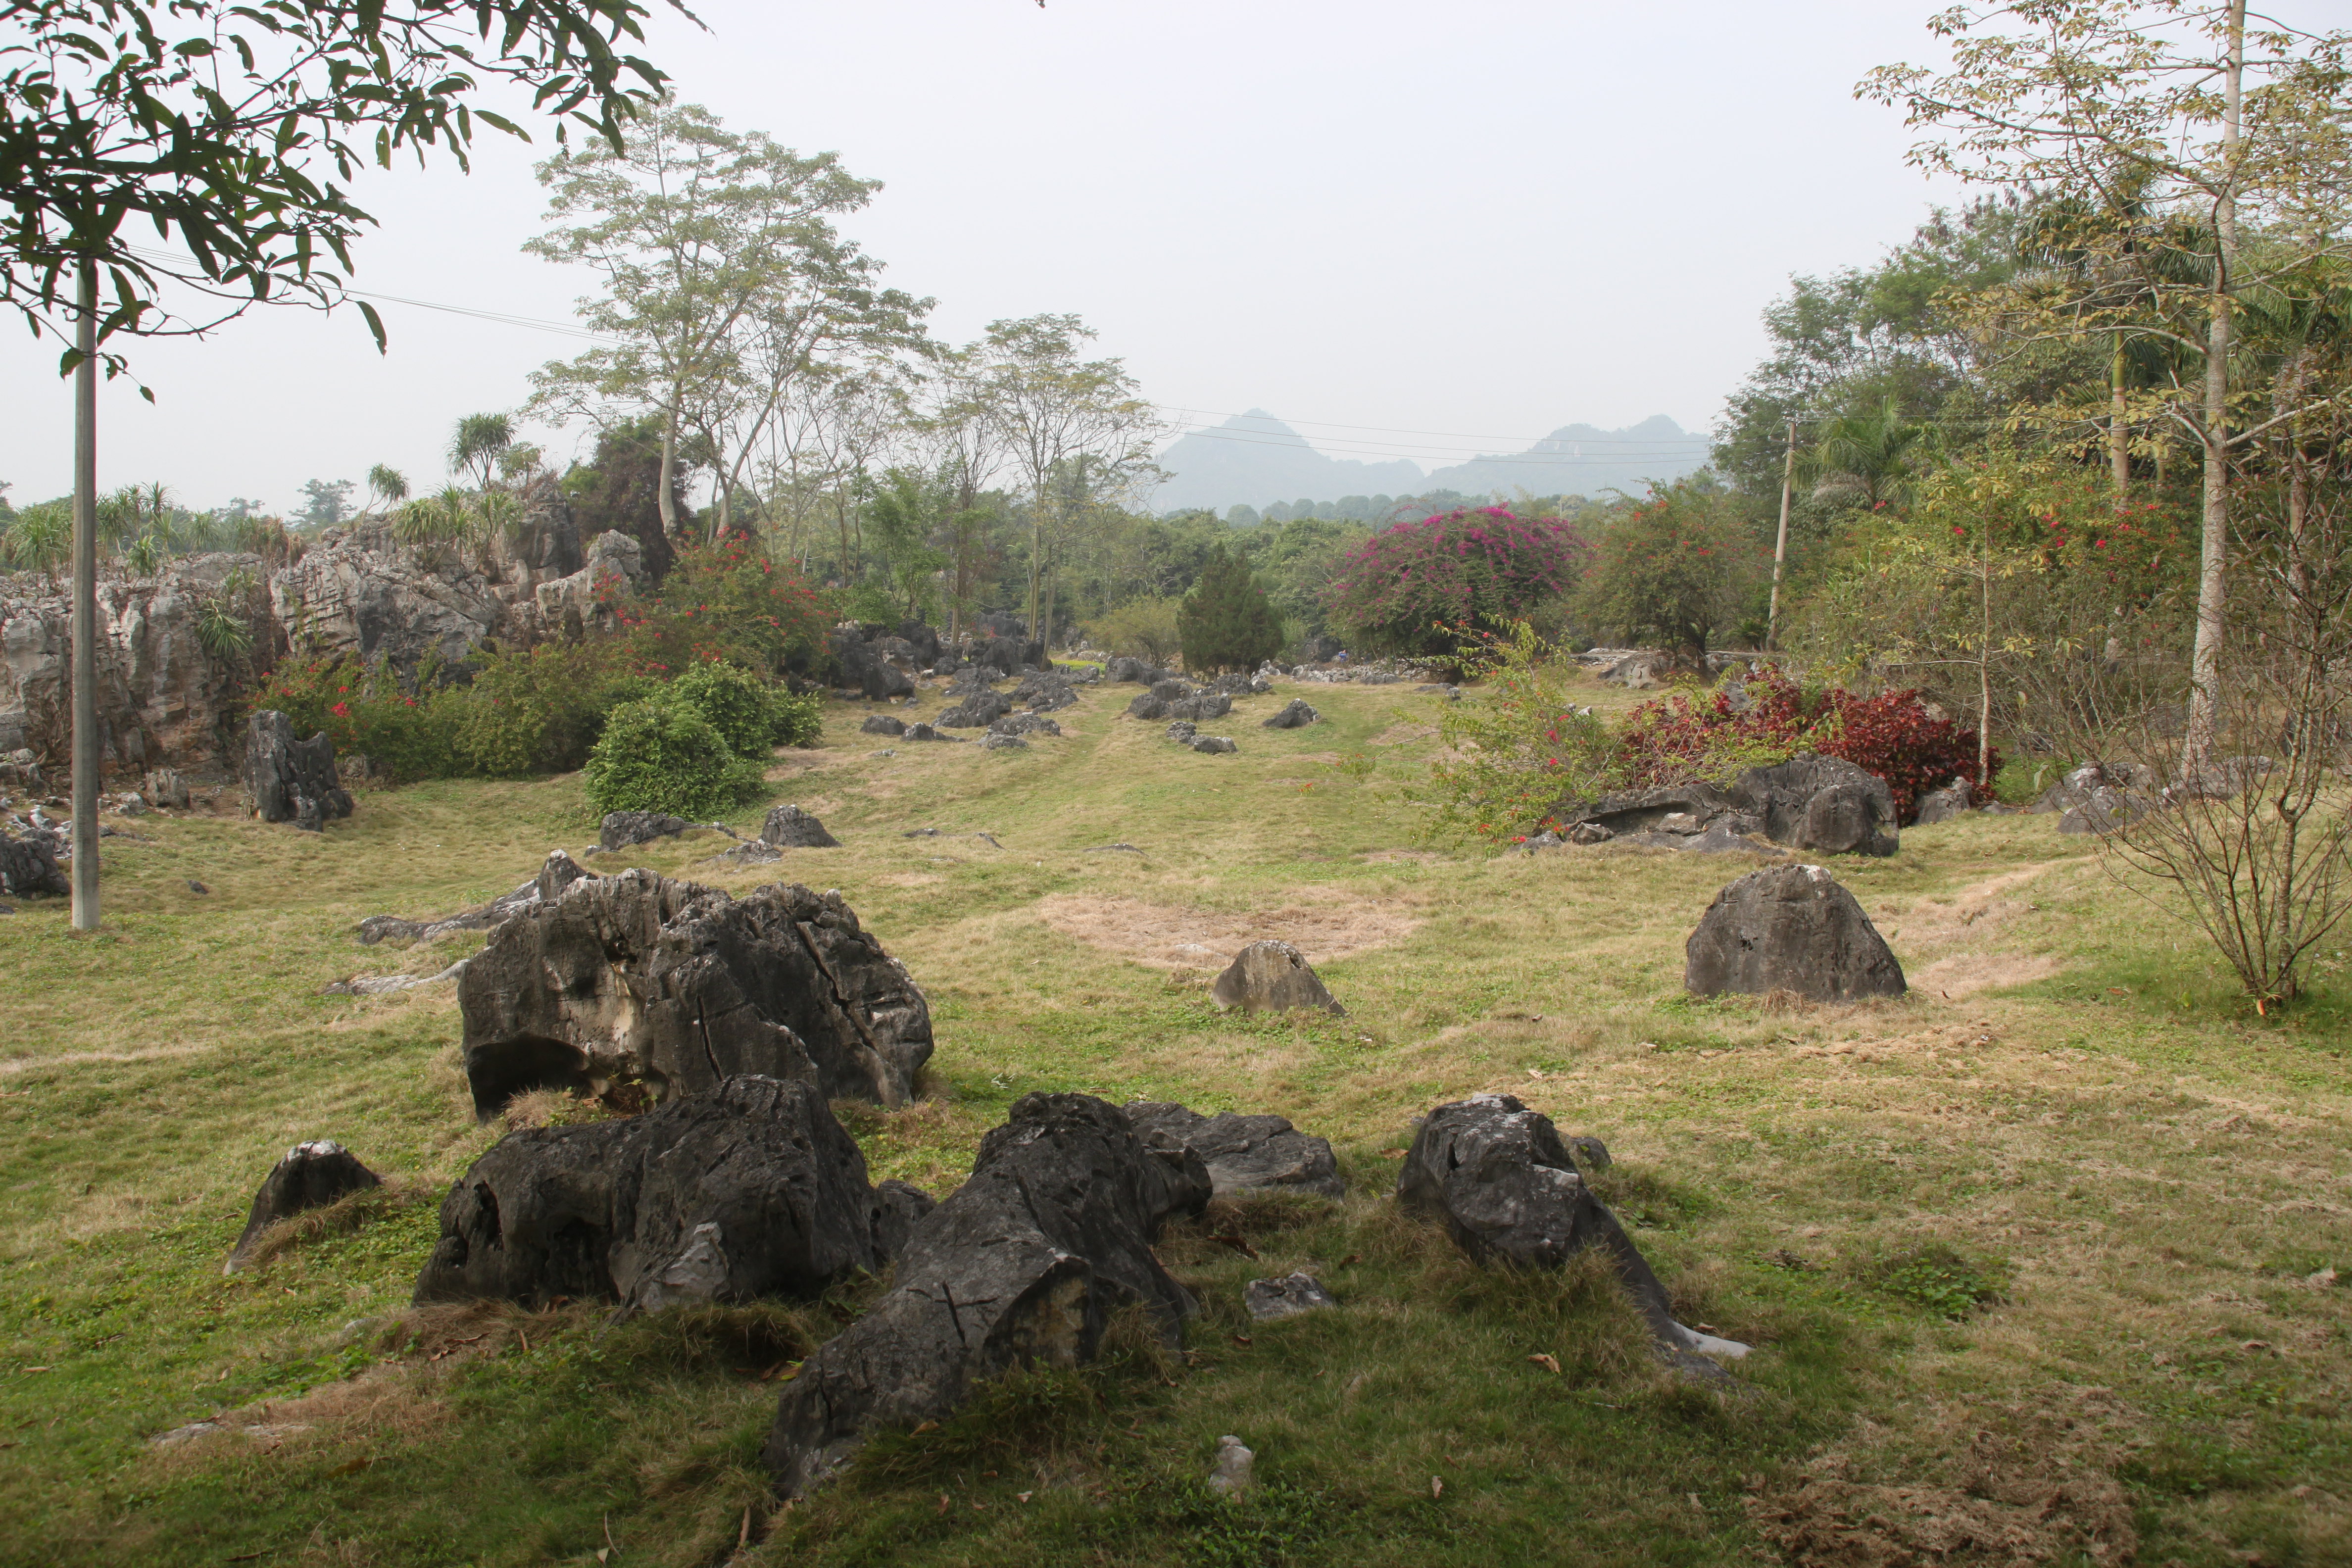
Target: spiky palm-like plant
(475, 443)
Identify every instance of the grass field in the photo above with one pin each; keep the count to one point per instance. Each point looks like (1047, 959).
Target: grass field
(2038, 1260)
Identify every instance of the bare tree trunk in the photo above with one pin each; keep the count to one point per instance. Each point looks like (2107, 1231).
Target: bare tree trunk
(1781, 543)
(1984, 660)
(2212, 578)
(665, 500)
(1036, 552)
(85, 610)
(2119, 431)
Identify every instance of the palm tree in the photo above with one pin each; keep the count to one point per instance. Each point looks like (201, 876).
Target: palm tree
(1872, 452)
(475, 445)
(387, 485)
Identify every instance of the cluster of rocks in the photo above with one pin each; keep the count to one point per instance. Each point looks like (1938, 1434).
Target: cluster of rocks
(2100, 797)
(1177, 699)
(881, 662)
(1187, 735)
(1373, 672)
(292, 781)
(1825, 804)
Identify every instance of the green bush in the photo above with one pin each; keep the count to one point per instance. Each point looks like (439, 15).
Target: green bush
(1141, 628)
(1227, 622)
(658, 755)
(540, 711)
(796, 719)
(737, 703)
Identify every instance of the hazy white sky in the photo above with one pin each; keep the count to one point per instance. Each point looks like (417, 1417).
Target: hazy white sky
(1482, 219)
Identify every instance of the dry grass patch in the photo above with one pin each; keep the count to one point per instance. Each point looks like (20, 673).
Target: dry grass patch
(1324, 925)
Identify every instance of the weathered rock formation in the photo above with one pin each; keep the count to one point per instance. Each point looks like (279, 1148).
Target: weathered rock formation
(1825, 804)
(29, 865)
(746, 1190)
(635, 983)
(790, 828)
(1789, 928)
(1942, 804)
(1295, 715)
(1293, 1295)
(867, 666)
(1245, 1153)
(977, 711)
(1497, 1174)
(623, 829)
(292, 781)
(1021, 1265)
(311, 1176)
(560, 872)
(1271, 977)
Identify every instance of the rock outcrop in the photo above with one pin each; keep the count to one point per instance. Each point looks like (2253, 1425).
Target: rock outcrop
(1789, 928)
(1022, 1265)
(867, 666)
(977, 711)
(625, 829)
(1271, 977)
(1245, 1153)
(748, 1189)
(29, 865)
(1500, 1178)
(292, 781)
(1295, 715)
(1825, 804)
(311, 1176)
(559, 871)
(637, 985)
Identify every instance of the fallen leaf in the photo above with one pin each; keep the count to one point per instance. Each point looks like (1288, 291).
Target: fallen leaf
(1244, 1341)
(1436, 1487)
(352, 1467)
(36, 1369)
(1550, 1364)
(943, 1502)
(1391, 1154)
(1025, 1497)
(1237, 1244)
(1352, 1257)
(926, 1426)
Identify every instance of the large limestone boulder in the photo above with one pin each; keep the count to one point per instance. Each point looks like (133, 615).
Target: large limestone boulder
(1822, 803)
(1021, 1266)
(867, 666)
(634, 985)
(29, 865)
(790, 828)
(311, 1176)
(977, 711)
(292, 781)
(1245, 1153)
(614, 566)
(1295, 715)
(1271, 977)
(1498, 1177)
(746, 1190)
(1789, 928)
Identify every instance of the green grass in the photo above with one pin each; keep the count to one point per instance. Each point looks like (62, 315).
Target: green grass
(2051, 1198)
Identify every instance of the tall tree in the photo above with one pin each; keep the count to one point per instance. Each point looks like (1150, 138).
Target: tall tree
(2202, 117)
(477, 442)
(1076, 431)
(723, 282)
(1227, 622)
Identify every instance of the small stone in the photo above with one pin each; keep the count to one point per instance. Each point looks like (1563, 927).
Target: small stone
(994, 742)
(883, 724)
(1297, 715)
(1271, 977)
(1213, 743)
(1233, 1473)
(1294, 1295)
(790, 828)
(198, 888)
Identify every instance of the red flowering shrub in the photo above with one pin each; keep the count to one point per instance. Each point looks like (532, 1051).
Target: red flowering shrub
(365, 711)
(728, 601)
(1410, 588)
(1677, 738)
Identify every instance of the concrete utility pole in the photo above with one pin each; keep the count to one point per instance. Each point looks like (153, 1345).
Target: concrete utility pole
(1780, 546)
(85, 609)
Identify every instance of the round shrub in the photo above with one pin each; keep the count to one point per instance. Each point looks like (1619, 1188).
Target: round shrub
(662, 755)
(794, 719)
(737, 704)
(1414, 588)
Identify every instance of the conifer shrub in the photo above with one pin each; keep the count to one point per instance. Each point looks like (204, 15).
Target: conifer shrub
(663, 756)
(1227, 622)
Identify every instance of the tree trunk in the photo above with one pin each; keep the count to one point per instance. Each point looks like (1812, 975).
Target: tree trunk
(2212, 578)
(85, 610)
(665, 500)
(1036, 553)
(2119, 431)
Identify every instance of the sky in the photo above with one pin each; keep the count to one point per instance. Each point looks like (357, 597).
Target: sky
(1406, 229)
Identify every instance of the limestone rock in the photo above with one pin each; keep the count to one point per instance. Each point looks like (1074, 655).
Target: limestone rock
(361, 593)
(746, 1190)
(977, 711)
(790, 828)
(883, 724)
(292, 781)
(311, 1176)
(1271, 977)
(1022, 1265)
(29, 866)
(993, 741)
(622, 829)
(1292, 1295)
(558, 872)
(1296, 715)
(865, 667)
(1500, 1178)
(635, 983)
(1824, 804)
(1213, 743)
(1245, 1153)
(1789, 928)
(1235, 1469)
(165, 787)
(1942, 804)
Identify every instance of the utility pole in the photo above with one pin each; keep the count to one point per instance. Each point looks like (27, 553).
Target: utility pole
(1780, 545)
(85, 609)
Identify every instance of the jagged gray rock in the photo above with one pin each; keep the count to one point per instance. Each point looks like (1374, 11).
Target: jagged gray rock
(29, 866)
(1292, 1295)
(1296, 715)
(1789, 928)
(1942, 804)
(1500, 1178)
(623, 829)
(1825, 803)
(637, 984)
(292, 781)
(311, 1175)
(558, 872)
(865, 665)
(977, 711)
(1021, 1265)
(883, 724)
(993, 741)
(1271, 977)
(748, 1189)
(1245, 1153)
(790, 828)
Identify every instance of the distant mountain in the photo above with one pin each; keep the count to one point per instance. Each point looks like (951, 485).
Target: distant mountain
(1254, 459)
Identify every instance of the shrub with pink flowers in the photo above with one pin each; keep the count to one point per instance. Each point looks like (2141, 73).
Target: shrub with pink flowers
(1409, 589)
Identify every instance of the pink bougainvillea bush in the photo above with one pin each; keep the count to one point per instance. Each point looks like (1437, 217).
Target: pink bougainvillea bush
(1414, 588)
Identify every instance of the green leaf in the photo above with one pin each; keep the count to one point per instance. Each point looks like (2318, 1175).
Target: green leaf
(376, 324)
